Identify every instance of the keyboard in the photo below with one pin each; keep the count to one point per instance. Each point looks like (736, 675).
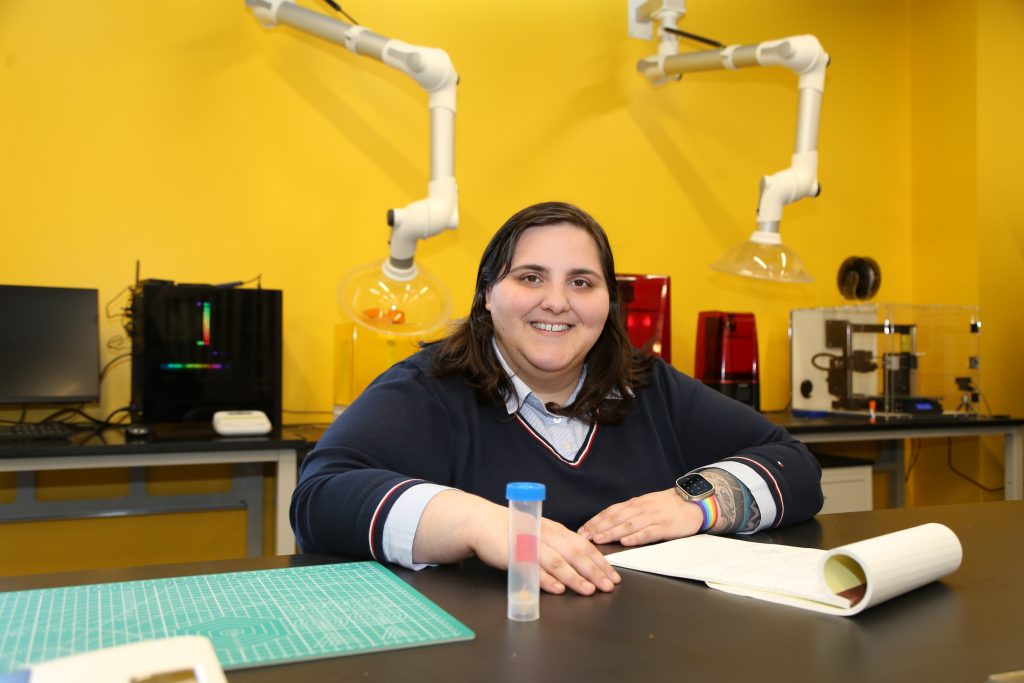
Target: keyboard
(34, 431)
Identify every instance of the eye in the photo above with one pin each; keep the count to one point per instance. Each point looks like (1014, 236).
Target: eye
(530, 278)
(579, 283)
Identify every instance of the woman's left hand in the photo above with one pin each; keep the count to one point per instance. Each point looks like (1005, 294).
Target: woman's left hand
(658, 516)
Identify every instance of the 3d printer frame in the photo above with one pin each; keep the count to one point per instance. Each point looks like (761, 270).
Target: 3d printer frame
(899, 374)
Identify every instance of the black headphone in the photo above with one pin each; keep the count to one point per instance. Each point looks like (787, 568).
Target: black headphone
(859, 278)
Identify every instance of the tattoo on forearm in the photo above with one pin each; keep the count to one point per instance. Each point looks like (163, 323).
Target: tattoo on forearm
(737, 509)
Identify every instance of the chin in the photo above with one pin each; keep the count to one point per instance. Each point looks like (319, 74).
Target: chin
(549, 364)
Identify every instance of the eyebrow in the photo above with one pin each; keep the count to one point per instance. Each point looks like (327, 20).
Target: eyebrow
(545, 269)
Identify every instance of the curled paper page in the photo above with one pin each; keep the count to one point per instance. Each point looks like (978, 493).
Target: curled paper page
(844, 581)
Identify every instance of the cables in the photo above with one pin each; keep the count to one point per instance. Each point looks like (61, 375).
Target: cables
(20, 420)
(110, 362)
(126, 288)
(684, 34)
(915, 454)
(962, 475)
(337, 8)
(816, 356)
(109, 419)
(74, 416)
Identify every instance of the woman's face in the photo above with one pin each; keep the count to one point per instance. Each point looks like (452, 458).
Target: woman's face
(551, 307)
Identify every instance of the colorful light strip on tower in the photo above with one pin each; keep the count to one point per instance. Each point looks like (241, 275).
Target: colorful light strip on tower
(205, 341)
(192, 366)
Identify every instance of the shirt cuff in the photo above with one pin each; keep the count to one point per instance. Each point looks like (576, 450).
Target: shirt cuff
(757, 486)
(402, 521)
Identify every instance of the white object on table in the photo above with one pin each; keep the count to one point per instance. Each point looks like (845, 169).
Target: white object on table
(241, 423)
(182, 658)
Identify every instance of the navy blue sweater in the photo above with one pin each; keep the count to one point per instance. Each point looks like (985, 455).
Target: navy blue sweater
(409, 426)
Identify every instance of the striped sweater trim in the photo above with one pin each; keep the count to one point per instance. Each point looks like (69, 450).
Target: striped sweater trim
(771, 478)
(581, 454)
(376, 514)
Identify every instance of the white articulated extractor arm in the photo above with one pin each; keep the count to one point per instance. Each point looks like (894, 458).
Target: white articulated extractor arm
(432, 69)
(803, 55)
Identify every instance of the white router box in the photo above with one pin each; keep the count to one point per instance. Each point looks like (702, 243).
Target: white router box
(241, 423)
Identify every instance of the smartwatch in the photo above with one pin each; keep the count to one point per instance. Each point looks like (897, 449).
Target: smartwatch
(694, 488)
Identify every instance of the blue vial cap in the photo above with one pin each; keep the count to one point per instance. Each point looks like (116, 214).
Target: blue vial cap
(524, 490)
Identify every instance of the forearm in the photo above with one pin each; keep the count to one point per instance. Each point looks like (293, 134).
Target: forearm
(343, 512)
(452, 524)
(737, 509)
(783, 478)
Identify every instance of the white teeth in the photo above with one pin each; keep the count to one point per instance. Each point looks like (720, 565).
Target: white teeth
(547, 327)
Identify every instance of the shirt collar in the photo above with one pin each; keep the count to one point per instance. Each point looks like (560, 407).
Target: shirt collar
(523, 392)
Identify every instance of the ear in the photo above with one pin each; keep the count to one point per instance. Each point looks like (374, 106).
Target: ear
(487, 298)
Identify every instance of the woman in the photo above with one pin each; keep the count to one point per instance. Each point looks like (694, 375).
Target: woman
(540, 383)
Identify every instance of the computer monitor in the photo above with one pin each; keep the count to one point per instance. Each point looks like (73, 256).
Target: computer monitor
(49, 345)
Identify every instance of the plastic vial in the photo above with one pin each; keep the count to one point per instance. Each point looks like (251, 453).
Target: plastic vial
(524, 505)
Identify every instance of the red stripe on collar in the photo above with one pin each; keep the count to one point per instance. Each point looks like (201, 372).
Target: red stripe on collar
(581, 454)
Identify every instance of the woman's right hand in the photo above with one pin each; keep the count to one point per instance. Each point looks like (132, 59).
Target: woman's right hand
(456, 525)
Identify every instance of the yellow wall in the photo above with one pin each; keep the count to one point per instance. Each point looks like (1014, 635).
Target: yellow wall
(1000, 210)
(189, 138)
(968, 226)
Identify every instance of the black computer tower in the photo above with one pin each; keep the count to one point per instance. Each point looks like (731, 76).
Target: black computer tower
(197, 349)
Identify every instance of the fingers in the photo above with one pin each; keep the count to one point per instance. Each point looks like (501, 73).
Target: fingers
(569, 561)
(550, 584)
(621, 521)
(645, 519)
(616, 522)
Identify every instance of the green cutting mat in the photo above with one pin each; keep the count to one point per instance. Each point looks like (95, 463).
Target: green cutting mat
(254, 618)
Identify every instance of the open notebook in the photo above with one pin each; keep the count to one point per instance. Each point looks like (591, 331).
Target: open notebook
(844, 581)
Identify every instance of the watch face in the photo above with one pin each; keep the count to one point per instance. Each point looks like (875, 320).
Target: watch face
(694, 486)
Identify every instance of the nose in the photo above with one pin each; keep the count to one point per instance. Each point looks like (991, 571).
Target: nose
(556, 299)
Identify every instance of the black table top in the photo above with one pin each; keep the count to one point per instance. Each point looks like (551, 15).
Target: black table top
(654, 628)
(115, 441)
(797, 425)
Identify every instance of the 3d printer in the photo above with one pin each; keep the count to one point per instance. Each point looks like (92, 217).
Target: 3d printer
(891, 360)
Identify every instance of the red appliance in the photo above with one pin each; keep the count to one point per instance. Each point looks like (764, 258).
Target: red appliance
(727, 355)
(647, 304)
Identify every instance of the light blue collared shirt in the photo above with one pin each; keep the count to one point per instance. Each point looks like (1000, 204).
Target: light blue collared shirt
(565, 435)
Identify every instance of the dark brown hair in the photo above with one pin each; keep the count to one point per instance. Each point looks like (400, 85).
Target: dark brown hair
(614, 369)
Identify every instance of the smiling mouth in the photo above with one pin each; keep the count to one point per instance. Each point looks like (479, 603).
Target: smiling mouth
(550, 327)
